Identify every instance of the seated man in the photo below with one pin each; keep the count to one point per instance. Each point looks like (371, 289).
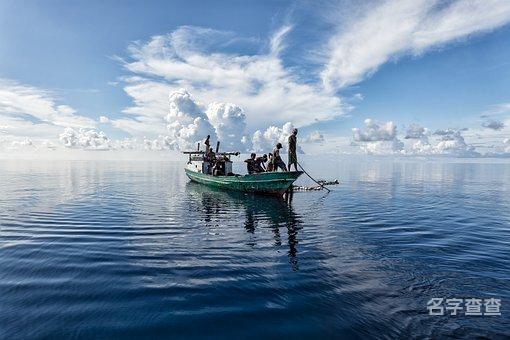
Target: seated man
(270, 165)
(277, 160)
(260, 165)
(218, 168)
(250, 166)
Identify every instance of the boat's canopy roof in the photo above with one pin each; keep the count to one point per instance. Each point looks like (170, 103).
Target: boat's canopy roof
(236, 153)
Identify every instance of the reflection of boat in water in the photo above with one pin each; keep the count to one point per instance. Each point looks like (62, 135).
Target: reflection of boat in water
(269, 212)
(276, 210)
(200, 170)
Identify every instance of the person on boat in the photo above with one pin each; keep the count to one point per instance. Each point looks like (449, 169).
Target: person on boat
(277, 160)
(250, 163)
(207, 143)
(270, 165)
(219, 167)
(260, 165)
(209, 154)
(210, 157)
(292, 149)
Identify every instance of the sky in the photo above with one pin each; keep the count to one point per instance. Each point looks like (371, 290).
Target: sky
(394, 77)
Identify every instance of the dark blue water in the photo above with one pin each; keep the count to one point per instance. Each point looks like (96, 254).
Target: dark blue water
(133, 250)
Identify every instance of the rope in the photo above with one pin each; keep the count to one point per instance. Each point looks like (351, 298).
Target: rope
(321, 185)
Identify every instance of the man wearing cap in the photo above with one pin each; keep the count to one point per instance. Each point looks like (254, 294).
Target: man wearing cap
(277, 160)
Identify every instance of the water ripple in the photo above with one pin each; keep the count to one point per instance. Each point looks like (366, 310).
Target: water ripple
(129, 249)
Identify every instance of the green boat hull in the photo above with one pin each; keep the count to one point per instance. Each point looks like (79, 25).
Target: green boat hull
(269, 183)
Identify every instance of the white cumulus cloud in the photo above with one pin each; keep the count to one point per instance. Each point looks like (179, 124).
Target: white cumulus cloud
(264, 141)
(416, 131)
(377, 139)
(381, 139)
(229, 122)
(506, 142)
(208, 64)
(89, 139)
(104, 120)
(493, 124)
(187, 122)
(373, 132)
(315, 137)
(452, 143)
(382, 147)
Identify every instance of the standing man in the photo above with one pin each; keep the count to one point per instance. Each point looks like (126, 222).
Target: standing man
(292, 149)
(277, 159)
(207, 143)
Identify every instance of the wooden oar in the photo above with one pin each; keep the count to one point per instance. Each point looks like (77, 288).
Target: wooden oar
(321, 185)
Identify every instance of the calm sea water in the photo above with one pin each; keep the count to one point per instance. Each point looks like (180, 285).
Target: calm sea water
(133, 249)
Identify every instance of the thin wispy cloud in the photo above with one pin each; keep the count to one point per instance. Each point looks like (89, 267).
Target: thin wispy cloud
(384, 31)
(32, 104)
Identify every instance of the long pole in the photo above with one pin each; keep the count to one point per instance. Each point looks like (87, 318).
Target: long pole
(321, 185)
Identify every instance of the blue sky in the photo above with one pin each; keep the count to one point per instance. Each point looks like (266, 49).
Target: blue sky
(67, 46)
(326, 67)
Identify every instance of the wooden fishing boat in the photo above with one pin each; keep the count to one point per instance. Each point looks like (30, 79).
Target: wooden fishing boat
(200, 169)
